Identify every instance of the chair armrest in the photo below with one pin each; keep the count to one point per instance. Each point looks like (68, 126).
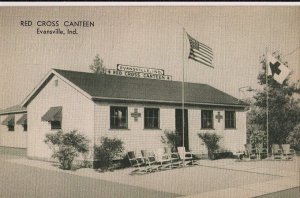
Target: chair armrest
(292, 151)
(188, 154)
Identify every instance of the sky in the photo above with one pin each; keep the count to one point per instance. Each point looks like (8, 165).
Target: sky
(151, 36)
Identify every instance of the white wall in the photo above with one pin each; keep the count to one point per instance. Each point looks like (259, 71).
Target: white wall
(77, 113)
(135, 137)
(16, 138)
(232, 139)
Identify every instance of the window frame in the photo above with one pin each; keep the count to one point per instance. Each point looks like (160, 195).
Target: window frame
(55, 127)
(152, 118)
(11, 128)
(112, 124)
(211, 118)
(25, 127)
(231, 120)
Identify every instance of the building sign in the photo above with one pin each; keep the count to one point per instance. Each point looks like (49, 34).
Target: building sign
(140, 69)
(138, 72)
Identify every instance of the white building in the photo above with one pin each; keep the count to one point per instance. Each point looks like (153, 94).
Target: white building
(136, 110)
(13, 128)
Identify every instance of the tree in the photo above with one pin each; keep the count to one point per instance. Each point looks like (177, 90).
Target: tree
(98, 66)
(67, 146)
(294, 137)
(283, 111)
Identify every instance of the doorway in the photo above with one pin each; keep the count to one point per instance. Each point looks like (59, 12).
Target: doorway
(179, 127)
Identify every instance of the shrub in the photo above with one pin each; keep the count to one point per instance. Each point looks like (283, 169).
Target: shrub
(67, 146)
(211, 141)
(172, 139)
(109, 150)
(294, 137)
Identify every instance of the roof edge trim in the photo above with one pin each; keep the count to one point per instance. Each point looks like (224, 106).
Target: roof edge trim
(164, 101)
(37, 88)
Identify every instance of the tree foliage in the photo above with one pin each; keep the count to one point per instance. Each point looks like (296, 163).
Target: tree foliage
(211, 140)
(98, 66)
(172, 139)
(283, 108)
(67, 146)
(294, 137)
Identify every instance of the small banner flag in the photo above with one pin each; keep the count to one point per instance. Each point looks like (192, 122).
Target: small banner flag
(277, 69)
(200, 52)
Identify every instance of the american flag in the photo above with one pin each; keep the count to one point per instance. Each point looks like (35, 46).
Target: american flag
(200, 52)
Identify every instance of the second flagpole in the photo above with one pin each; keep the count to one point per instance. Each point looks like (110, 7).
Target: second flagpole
(183, 91)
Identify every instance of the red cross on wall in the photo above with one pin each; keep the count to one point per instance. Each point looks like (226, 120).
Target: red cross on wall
(219, 117)
(136, 115)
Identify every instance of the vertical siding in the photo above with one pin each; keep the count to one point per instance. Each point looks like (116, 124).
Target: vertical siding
(232, 139)
(16, 138)
(135, 137)
(77, 113)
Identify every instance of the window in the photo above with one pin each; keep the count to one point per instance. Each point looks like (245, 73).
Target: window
(229, 119)
(54, 117)
(11, 127)
(206, 119)
(55, 125)
(151, 118)
(118, 118)
(24, 127)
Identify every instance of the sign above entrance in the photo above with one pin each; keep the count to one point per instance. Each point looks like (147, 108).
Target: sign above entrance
(138, 72)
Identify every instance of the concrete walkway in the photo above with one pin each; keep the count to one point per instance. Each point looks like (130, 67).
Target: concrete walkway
(219, 178)
(288, 172)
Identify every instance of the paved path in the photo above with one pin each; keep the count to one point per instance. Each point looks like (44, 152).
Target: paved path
(220, 178)
(18, 181)
(285, 185)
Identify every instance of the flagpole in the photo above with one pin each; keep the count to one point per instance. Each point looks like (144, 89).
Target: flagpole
(183, 116)
(267, 110)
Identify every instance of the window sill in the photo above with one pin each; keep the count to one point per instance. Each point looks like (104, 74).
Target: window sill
(114, 129)
(230, 129)
(147, 129)
(207, 129)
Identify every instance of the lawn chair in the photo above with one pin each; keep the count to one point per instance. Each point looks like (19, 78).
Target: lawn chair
(287, 152)
(163, 159)
(276, 152)
(262, 152)
(174, 156)
(150, 160)
(135, 161)
(185, 156)
(250, 152)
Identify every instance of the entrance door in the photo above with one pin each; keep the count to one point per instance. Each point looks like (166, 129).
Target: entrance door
(179, 128)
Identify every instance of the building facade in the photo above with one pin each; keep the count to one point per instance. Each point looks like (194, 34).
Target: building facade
(137, 111)
(13, 128)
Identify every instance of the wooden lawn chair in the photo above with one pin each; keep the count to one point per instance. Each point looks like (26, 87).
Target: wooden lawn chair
(287, 152)
(250, 152)
(262, 152)
(150, 160)
(163, 159)
(276, 152)
(185, 156)
(174, 156)
(134, 160)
